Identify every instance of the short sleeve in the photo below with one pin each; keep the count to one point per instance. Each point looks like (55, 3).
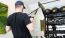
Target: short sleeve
(26, 19)
(8, 21)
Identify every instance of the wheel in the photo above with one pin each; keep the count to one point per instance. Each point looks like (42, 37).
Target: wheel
(62, 9)
(55, 10)
(47, 11)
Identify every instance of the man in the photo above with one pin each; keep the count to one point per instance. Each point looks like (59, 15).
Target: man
(19, 22)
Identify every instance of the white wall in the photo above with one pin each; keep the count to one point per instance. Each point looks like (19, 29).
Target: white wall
(37, 31)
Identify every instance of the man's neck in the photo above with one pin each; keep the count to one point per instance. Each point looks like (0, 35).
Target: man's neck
(17, 10)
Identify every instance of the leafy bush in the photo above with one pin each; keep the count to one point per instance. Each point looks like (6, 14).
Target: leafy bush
(3, 20)
(3, 17)
(2, 28)
(3, 8)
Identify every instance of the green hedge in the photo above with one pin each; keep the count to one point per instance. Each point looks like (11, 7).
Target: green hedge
(3, 17)
(3, 8)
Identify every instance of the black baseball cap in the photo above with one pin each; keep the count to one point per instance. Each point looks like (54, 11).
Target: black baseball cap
(19, 3)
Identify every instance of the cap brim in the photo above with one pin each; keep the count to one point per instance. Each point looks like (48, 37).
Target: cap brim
(24, 7)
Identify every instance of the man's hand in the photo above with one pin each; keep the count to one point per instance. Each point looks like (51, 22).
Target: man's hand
(8, 28)
(32, 19)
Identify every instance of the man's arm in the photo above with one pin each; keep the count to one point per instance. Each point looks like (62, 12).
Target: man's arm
(28, 23)
(30, 27)
(8, 28)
